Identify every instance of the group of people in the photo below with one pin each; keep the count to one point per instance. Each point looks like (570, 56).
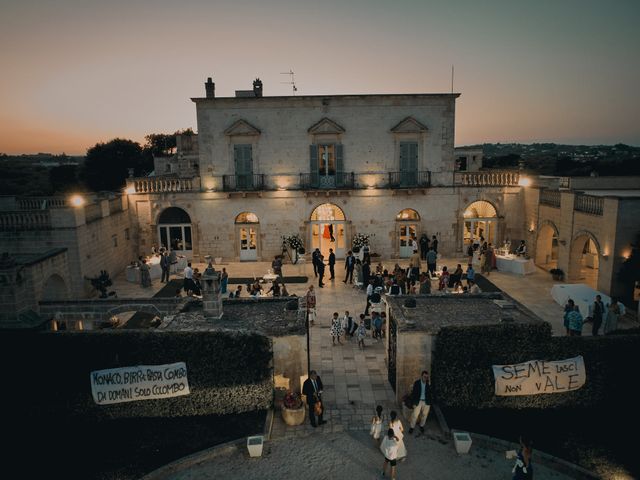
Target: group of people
(346, 328)
(392, 443)
(599, 314)
(485, 254)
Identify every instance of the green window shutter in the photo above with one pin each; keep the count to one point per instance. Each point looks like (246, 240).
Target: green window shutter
(408, 163)
(404, 156)
(244, 165)
(313, 165)
(339, 166)
(413, 157)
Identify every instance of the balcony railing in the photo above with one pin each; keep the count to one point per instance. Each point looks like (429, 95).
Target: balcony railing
(246, 182)
(589, 204)
(340, 180)
(163, 184)
(41, 203)
(409, 179)
(487, 179)
(25, 220)
(550, 198)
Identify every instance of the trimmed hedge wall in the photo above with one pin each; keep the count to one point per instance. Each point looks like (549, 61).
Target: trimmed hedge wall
(228, 372)
(462, 376)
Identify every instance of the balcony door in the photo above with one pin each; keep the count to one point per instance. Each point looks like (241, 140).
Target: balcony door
(326, 165)
(408, 164)
(243, 159)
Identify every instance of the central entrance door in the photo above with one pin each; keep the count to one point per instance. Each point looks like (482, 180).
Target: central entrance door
(247, 229)
(480, 221)
(407, 228)
(328, 230)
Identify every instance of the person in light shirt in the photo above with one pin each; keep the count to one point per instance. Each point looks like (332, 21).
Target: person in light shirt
(389, 448)
(189, 285)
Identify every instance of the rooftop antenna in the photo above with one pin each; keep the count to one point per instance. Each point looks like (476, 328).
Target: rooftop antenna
(451, 78)
(291, 80)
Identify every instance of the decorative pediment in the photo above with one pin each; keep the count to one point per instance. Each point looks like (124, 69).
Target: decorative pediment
(326, 126)
(409, 125)
(242, 128)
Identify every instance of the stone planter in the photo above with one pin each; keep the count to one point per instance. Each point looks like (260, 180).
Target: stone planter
(462, 441)
(254, 445)
(293, 416)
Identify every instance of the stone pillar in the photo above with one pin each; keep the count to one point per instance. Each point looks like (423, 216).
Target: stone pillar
(211, 298)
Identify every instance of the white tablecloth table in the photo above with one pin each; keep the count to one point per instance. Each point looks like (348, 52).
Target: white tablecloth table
(155, 271)
(583, 296)
(270, 277)
(180, 265)
(132, 274)
(515, 264)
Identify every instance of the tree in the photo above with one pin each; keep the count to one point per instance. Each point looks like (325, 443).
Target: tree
(164, 143)
(106, 165)
(64, 178)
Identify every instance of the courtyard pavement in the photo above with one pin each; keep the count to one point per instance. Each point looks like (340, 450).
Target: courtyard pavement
(355, 381)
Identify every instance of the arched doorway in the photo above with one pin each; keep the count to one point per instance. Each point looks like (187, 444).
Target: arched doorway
(584, 259)
(407, 222)
(247, 231)
(54, 289)
(547, 246)
(174, 230)
(328, 230)
(480, 221)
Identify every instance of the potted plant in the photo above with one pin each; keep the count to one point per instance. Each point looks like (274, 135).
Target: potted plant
(293, 409)
(557, 274)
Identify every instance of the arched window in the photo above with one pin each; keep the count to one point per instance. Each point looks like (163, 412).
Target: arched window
(174, 229)
(480, 209)
(174, 215)
(408, 214)
(247, 217)
(480, 224)
(327, 211)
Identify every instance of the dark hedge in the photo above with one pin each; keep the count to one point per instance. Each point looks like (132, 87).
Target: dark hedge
(228, 372)
(462, 376)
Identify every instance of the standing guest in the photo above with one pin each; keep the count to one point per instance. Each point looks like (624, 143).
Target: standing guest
(523, 469)
(188, 285)
(444, 279)
(344, 324)
(611, 318)
(173, 258)
(366, 254)
(376, 322)
(568, 308)
(434, 244)
(310, 299)
(487, 260)
(358, 270)
(165, 265)
(421, 401)
(376, 425)
(314, 260)
(597, 313)
(389, 448)
(414, 266)
(369, 293)
(275, 288)
(332, 264)
(352, 326)
(366, 272)
(197, 285)
(336, 329)
(396, 424)
(320, 268)
(312, 389)
(432, 257)
(424, 246)
(145, 274)
(471, 274)
(470, 253)
(425, 284)
(276, 265)
(349, 265)
(575, 322)
(224, 280)
(361, 333)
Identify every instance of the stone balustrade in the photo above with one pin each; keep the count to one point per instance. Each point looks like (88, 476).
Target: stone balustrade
(41, 203)
(550, 198)
(25, 220)
(163, 184)
(589, 204)
(487, 179)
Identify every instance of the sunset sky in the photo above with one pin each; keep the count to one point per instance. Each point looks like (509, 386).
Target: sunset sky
(77, 72)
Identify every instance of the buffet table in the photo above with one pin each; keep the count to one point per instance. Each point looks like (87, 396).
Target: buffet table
(515, 264)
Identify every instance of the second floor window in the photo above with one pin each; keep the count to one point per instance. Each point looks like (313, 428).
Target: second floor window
(409, 156)
(242, 157)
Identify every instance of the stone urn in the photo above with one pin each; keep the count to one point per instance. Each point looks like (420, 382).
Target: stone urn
(293, 416)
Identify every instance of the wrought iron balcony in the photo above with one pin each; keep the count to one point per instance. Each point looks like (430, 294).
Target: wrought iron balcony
(244, 182)
(340, 180)
(409, 179)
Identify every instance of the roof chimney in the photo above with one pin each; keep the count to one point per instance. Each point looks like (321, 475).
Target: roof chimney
(257, 87)
(210, 88)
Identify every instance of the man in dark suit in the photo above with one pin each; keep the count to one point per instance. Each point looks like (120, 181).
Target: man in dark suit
(332, 263)
(312, 389)
(165, 265)
(314, 260)
(320, 270)
(420, 401)
(349, 265)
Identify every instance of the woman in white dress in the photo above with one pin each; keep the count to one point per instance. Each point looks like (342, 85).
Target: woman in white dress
(376, 424)
(396, 425)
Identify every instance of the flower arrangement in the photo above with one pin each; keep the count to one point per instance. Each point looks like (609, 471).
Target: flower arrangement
(360, 240)
(294, 241)
(292, 400)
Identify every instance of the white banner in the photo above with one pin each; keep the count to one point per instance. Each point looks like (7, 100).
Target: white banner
(539, 376)
(142, 382)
